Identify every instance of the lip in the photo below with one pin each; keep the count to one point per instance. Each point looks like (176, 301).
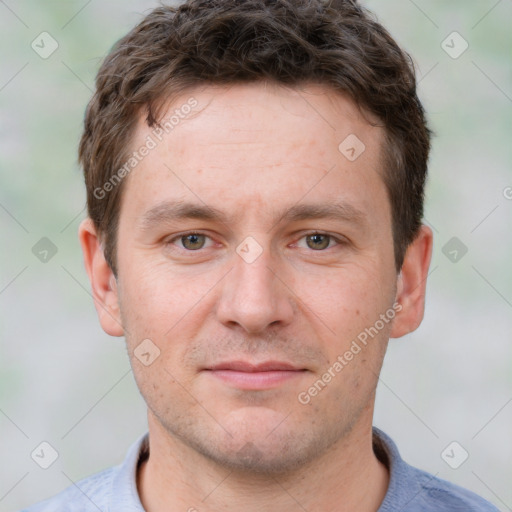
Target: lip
(250, 376)
(244, 366)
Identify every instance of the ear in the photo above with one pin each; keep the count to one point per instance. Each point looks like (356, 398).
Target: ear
(103, 281)
(412, 283)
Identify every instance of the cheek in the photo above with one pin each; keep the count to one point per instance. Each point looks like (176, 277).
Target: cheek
(165, 307)
(347, 312)
(154, 295)
(346, 301)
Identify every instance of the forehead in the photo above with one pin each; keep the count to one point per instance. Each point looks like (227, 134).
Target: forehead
(260, 145)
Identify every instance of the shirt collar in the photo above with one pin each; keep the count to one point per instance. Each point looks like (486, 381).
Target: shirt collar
(403, 487)
(124, 495)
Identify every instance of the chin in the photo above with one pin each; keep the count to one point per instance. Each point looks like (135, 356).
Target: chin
(279, 457)
(262, 441)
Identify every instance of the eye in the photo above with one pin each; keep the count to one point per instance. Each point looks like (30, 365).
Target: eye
(320, 241)
(189, 241)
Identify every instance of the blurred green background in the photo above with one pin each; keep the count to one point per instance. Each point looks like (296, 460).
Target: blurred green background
(63, 380)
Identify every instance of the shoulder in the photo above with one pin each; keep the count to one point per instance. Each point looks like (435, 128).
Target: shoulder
(440, 495)
(115, 485)
(89, 494)
(414, 490)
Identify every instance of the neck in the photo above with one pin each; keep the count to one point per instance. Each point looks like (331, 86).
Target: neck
(346, 477)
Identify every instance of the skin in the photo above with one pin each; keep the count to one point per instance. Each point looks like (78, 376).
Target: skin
(253, 151)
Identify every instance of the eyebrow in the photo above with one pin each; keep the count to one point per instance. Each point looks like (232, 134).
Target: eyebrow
(168, 211)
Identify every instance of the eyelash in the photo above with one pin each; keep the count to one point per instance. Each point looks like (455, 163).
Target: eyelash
(331, 238)
(310, 233)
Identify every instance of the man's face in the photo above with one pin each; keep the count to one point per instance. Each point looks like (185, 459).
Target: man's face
(219, 297)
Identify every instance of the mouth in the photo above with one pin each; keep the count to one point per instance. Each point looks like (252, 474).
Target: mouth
(249, 376)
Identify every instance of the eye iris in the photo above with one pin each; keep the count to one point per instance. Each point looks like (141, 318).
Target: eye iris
(318, 243)
(192, 241)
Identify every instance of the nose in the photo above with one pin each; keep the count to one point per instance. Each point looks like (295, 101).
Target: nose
(255, 295)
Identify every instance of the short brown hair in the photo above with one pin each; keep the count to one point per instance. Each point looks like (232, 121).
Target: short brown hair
(337, 43)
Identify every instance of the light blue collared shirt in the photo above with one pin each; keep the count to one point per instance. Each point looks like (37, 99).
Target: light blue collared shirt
(410, 489)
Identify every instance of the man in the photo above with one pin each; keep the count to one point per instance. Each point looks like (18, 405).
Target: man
(255, 177)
